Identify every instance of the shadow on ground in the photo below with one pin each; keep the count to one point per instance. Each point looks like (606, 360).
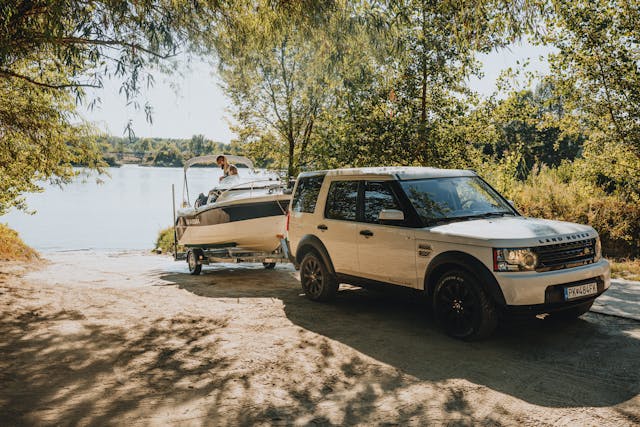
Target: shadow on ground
(592, 361)
(62, 368)
(55, 371)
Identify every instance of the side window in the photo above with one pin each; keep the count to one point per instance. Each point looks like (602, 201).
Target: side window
(307, 194)
(378, 196)
(341, 201)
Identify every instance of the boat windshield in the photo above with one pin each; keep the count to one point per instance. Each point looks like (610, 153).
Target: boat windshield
(439, 200)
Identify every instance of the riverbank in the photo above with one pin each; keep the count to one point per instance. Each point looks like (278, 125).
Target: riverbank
(12, 248)
(122, 338)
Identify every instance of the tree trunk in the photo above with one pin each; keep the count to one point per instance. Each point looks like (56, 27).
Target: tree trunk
(423, 63)
(290, 170)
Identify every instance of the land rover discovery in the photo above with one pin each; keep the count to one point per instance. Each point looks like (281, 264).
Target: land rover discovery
(446, 233)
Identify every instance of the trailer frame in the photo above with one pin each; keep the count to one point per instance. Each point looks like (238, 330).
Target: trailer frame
(196, 256)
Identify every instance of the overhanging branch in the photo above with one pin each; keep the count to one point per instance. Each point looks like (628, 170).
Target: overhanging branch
(10, 73)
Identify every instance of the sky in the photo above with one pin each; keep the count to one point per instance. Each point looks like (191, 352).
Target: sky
(193, 103)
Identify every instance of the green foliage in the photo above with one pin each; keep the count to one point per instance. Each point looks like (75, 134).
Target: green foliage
(533, 123)
(563, 193)
(93, 39)
(277, 70)
(38, 140)
(117, 150)
(168, 155)
(51, 50)
(597, 65)
(165, 241)
(197, 145)
(360, 83)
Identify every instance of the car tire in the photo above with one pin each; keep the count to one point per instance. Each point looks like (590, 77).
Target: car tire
(317, 282)
(462, 307)
(571, 313)
(194, 267)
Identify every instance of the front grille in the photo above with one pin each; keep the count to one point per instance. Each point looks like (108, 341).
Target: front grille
(565, 255)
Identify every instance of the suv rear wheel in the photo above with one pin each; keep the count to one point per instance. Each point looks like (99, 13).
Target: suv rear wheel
(317, 282)
(462, 307)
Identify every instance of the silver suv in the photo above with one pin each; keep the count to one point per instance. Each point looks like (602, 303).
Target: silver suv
(447, 233)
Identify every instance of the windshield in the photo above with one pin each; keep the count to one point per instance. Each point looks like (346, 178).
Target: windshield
(444, 199)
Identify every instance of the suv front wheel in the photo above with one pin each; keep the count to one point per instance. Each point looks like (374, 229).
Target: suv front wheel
(462, 307)
(317, 282)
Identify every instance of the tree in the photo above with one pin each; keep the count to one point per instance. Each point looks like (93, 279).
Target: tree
(404, 98)
(596, 70)
(38, 140)
(93, 39)
(597, 65)
(279, 69)
(51, 50)
(168, 155)
(532, 123)
(197, 145)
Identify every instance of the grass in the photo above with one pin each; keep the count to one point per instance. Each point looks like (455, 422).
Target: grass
(625, 269)
(12, 248)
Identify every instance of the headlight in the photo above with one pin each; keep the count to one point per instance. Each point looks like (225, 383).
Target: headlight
(514, 259)
(598, 254)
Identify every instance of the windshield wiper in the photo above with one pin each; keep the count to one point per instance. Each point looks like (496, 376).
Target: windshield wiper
(436, 221)
(497, 213)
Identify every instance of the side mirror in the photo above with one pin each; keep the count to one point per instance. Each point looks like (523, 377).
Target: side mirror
(390, 215)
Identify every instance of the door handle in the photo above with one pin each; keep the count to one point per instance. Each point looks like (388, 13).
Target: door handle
(322, 227)
(366, 233)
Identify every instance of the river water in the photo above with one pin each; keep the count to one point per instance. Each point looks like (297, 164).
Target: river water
(125, 211)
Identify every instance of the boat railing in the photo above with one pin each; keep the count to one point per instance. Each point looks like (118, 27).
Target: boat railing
(252, 186)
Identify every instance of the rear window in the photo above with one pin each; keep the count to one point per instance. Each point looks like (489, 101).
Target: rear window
(304, 200)
(342, 200)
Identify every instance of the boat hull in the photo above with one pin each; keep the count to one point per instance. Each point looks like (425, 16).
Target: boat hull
(251, 226)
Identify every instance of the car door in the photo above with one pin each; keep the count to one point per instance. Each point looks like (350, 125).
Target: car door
(337, 228)
(386, 252)
(302, 211)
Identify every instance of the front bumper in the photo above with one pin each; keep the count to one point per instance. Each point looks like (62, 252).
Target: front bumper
(544, 289)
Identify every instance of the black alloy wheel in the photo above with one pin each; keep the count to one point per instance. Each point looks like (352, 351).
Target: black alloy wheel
(317, 283)
(462, 307)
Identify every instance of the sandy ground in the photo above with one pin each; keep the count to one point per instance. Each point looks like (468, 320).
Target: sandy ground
(132, 339)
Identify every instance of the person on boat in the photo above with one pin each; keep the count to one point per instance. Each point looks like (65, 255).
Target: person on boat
(225, 166)
(233, 170)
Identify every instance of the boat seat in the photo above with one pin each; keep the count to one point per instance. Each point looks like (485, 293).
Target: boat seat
(200, 201)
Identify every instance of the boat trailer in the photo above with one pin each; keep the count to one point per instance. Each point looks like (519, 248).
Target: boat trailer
(197, 257)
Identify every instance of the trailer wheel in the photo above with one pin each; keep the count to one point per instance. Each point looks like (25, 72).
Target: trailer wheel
(192, 262)
(269, 265)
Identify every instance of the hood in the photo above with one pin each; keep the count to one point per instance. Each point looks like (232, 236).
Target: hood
(512, 231)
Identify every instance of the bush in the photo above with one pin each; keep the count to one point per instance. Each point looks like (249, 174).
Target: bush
(558, 194)
(168, 155)
(12, 248)
(164, 242)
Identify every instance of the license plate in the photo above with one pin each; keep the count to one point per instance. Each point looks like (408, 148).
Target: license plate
(579, 291)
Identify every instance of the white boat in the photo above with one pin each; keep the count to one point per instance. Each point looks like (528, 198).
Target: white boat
(245, 211)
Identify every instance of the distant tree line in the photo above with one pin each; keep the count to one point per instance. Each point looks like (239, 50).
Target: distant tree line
(159, 151)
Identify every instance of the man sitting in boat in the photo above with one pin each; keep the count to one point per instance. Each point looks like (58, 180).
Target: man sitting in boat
(225, 166)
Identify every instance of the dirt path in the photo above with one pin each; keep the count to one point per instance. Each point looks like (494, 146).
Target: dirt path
(130, 339)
